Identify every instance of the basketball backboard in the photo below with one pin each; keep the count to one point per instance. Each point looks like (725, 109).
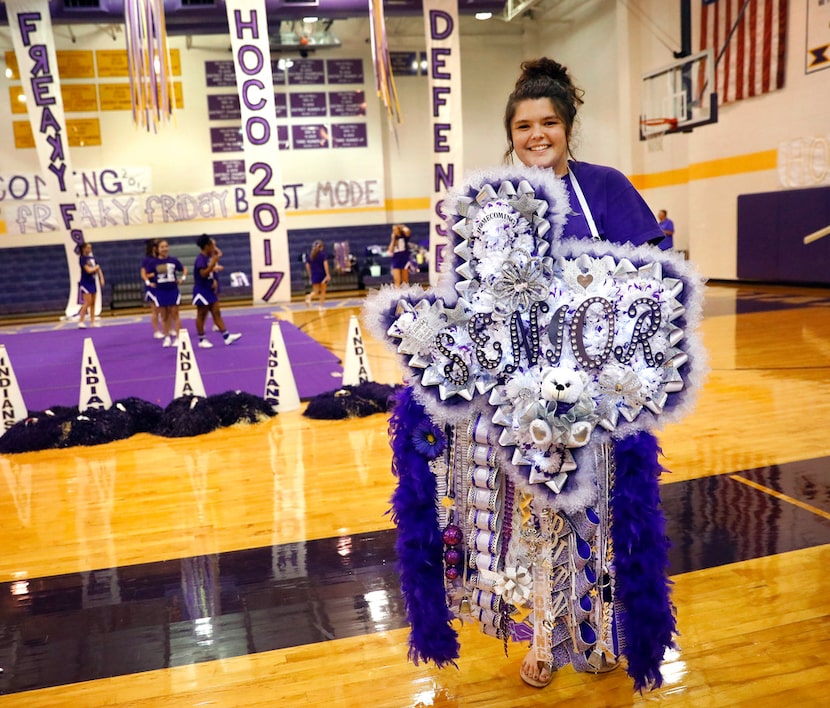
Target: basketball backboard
(679, 97)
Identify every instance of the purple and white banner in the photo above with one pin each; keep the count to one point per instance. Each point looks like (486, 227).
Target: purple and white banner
(34, 49)
(444, 57)
(254, 81)
(224, 201)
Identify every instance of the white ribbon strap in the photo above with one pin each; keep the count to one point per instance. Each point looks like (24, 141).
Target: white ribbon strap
(583, 203)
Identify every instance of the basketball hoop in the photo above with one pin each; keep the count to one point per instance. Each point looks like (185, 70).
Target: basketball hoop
(652, 131)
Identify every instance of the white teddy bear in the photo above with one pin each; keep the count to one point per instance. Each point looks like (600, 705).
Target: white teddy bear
(562, 384)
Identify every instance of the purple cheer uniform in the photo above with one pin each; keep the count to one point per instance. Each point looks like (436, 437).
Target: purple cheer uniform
(204, 292)
(89, 281)
(148, 264)
(400, 252)
(167, 285)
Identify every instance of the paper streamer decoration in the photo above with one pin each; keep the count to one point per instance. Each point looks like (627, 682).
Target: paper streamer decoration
(384, 79)
(151, 83)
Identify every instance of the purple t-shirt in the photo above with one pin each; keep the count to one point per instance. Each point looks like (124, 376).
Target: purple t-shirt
(202, 284)
(621, 215)
(317, 266)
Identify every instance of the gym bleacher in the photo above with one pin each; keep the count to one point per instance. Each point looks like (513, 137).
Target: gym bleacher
(34, 280)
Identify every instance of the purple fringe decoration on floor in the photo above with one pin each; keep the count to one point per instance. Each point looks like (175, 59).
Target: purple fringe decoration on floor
(638, 532)
(420, 545)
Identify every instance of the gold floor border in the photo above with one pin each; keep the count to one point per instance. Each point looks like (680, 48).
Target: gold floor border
(783, 497)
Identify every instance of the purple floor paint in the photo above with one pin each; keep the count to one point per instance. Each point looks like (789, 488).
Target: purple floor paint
(47, 361)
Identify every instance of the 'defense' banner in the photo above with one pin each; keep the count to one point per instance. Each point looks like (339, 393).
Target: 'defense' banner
(444, 56)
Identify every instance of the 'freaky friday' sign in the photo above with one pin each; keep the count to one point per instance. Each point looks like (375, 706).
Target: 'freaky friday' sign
(103, 208)
(34, 48)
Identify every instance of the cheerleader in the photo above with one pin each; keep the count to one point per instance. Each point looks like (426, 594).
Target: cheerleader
(91, 273)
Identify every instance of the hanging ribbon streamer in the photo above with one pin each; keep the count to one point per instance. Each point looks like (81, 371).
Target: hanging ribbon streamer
(384, 80)
(151, 84)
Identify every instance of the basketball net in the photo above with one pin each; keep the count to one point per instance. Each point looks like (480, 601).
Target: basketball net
(654, 129)
(654, 142)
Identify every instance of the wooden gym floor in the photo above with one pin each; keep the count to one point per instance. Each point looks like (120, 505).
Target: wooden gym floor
(254, 566)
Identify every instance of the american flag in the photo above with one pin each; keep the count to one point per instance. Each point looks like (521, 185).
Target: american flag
(753, 59)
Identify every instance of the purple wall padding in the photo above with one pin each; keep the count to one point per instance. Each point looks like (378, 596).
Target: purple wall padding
(771, 229)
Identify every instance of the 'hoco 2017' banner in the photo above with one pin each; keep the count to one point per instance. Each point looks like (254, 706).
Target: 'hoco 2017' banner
(444, 56)
(34, 48)
(248, 27)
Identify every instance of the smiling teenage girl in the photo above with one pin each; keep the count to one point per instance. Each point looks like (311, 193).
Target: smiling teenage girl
(539, 121)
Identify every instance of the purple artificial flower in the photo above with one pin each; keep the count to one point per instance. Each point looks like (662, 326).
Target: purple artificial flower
(428, 440)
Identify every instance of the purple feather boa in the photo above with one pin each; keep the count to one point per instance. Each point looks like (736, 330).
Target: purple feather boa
(638, 532)
(420, 545)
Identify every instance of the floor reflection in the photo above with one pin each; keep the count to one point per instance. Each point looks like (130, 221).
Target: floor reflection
(71, 628)
(197, 609)
(743, 300)
(717, 520)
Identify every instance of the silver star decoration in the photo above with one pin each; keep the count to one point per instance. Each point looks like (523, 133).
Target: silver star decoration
(528, 207)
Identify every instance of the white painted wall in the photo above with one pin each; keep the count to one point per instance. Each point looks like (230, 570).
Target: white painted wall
(705, 210)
